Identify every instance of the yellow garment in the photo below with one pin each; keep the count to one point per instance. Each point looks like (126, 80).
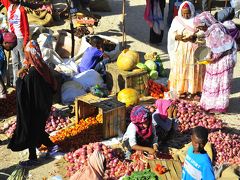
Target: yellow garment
(184, 75)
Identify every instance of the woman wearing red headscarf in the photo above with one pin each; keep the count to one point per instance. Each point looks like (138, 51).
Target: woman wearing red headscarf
(140, 134)
(35, 88)
(185, 78)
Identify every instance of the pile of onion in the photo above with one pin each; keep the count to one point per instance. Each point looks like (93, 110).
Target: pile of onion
(190, 115)
(56, 120)
(8, 105)
(116, 166)
(8, 128)
(226, 147)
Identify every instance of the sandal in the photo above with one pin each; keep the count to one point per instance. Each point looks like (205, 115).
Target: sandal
(183, 95)
(29, 163)
(197, 98)
(189, 96)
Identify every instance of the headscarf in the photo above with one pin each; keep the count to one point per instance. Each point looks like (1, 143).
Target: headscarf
(205, 18)
(184, 5)
(10, 37)
(232, 29)
(162, 106)
(140, 114)
(217, 37)
(33, 56)
(94, 170)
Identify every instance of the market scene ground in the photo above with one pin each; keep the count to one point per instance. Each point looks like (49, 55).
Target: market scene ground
(74, 124)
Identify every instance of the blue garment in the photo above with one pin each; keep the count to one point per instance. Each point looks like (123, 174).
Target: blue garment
(197, 167)
(3, 62)
(90, 58)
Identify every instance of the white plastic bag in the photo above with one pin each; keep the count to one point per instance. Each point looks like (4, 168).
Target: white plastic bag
(235, 4)
(70, 90)
(88, 79)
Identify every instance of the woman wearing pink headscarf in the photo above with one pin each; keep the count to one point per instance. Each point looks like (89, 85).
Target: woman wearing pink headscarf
(94, 170)
(185, 78)
(164, 119)
(219, 73)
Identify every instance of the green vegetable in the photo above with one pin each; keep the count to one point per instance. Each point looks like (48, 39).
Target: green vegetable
(151, 65)
(147, 174)
(17, 174)
(153, 74)
(158, 58)
(142, 66)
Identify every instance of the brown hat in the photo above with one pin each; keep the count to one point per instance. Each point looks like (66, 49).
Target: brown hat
(9, 37)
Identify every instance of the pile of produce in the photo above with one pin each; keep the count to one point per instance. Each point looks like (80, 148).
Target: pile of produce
(129, 96)
(153, 65)
(226, 147)
(8, 105)
(86, 131)
(116, 166)
(56, 120)
(156, 90)
(160, 169)
(8, 128)
(127, 60)
(190, 115)
(142, 175)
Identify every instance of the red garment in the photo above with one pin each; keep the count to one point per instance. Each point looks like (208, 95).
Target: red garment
(18, 21)
(33, 56)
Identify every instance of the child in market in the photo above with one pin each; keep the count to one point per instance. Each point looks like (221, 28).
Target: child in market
(197, 164)
(94, 57)
(140, 134)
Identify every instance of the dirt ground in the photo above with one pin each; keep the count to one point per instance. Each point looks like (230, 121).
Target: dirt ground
(137, 39)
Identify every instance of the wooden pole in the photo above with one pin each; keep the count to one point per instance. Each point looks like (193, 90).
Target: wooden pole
(123, 25)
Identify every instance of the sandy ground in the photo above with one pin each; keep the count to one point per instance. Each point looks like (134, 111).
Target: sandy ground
(137, 39)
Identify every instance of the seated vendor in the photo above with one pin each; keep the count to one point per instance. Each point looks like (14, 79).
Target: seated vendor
(164, 119)
(94, 57)
(140, 134)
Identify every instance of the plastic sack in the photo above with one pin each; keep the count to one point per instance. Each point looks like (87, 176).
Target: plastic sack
(235, 4)
(70, 90)
(88, 79)
(128, 96)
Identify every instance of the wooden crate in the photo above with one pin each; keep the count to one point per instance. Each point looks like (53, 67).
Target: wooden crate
(113, 112)
(174, 169)
(118, 79)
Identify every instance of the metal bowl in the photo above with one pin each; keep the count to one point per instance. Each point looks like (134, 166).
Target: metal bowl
(202, 53)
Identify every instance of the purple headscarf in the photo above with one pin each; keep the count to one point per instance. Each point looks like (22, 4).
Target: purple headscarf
(140, 114)
(217, 37)
(205, 18)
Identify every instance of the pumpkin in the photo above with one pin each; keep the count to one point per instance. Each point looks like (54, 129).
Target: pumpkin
(128, 96)
(127, 60)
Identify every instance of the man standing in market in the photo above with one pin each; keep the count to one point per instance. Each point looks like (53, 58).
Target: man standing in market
(18, 24)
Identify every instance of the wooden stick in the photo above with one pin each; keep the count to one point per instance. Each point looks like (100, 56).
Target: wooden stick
(123, 26)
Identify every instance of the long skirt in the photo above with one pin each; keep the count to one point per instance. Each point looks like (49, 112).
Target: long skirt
(217, 83)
